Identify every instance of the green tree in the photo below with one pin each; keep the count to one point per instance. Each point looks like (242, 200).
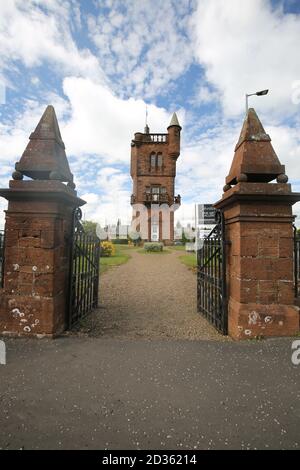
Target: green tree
(89, 227)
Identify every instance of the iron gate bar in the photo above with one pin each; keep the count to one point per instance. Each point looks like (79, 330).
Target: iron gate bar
(296, 262)
(84, 271)
(211, 276)
(2, 242)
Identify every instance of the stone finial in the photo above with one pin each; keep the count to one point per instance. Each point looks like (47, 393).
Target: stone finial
(174, 121)
(44, 157)
(254, 158)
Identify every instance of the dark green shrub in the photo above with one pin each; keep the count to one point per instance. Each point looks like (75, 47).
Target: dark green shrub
(153, 246)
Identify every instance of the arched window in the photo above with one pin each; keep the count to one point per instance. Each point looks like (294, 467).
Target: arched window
(156, 160)
(159, 160)
(153, 160)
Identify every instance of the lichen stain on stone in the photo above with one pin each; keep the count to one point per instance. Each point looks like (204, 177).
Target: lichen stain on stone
(253, 318)
(268, 319)
(36, 322)
(16, 313)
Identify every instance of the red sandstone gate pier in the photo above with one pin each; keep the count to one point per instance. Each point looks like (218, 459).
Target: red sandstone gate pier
(38, 236)
(259, 231)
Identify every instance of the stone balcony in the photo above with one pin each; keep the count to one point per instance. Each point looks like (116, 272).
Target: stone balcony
(149, 138)
(149, 198)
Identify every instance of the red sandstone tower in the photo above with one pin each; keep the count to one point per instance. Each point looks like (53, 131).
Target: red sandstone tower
(153, 171)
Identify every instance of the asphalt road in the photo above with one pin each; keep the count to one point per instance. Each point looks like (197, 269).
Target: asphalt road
(95, 393)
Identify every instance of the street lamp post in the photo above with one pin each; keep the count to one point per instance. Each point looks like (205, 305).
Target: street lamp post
(258, 93)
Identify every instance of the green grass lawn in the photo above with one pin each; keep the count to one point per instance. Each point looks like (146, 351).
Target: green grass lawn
(121, 256)
(189, 259)
(178, 247)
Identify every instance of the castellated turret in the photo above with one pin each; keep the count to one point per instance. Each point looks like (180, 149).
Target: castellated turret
(153, 171)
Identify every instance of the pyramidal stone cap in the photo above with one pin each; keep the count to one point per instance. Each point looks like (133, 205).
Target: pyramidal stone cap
(254, 157)
(44, 157)
(174, 121)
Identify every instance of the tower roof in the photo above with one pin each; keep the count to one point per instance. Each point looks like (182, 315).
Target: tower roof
(254, 155)
(174, 121)
(45, 152)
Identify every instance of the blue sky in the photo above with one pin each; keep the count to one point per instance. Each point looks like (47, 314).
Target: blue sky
(100, 61)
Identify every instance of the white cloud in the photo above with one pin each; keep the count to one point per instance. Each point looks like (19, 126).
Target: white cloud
(36, 31)
(247, 46)
(15, 135)
(286, 142)
(103, 124)
(204, 95)
(204, 162)
(144, 45)
(107, 210)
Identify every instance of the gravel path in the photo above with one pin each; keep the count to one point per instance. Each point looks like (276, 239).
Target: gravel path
(152, 296)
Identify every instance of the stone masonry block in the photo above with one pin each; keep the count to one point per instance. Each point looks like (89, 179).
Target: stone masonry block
(268, 247)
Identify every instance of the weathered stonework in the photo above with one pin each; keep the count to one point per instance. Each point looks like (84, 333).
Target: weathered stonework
(259, 231)
(45, 157)
(165, 147)
(38, 234)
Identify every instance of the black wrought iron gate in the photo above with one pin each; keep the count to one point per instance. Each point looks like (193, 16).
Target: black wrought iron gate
(297, 262)
(211, 276)
(84, 271)
(1, 257)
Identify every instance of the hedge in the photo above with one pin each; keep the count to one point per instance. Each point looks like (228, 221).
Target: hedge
(153, 246)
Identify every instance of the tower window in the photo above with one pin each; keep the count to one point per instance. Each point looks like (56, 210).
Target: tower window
(155, 190)
(153, 160)
(156, 160)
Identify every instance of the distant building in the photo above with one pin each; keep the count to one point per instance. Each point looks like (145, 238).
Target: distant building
(178, 231)
(153, 171)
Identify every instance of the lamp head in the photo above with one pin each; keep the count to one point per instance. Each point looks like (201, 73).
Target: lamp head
(261, 93)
